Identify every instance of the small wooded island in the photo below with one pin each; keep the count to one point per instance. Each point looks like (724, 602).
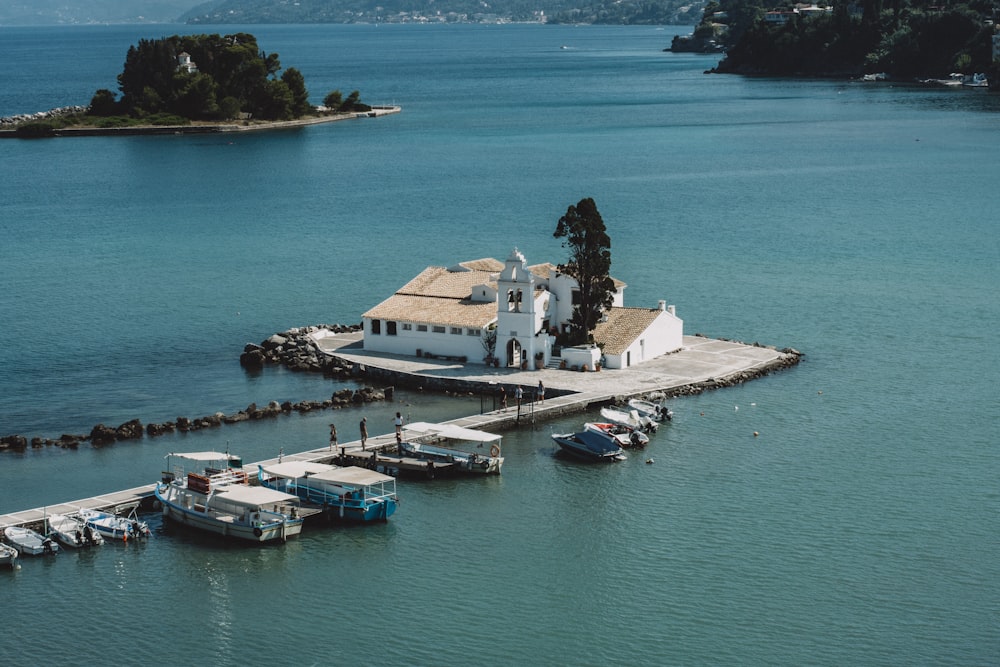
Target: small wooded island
(198, 83)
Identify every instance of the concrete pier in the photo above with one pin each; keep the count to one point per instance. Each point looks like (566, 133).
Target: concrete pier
(703, 363)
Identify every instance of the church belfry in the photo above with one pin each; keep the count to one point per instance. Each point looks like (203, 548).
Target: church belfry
(516, 319)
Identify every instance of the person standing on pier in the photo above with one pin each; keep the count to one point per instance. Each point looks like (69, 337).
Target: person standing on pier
(503, 398)
(333, 437)
(518, 394)
(364, 431)
(399, 426)
(541, 392)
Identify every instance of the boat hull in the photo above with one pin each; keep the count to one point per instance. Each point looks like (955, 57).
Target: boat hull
(8, 556)
(266, 527)
(337, 507)
(73, 533)
(113, 527)
(463, 461)
(30, 543)
(589, 446)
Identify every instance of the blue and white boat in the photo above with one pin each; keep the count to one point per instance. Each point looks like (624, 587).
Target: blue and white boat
(347, 493)
(114, 527)
(218, 499)
(590, 446)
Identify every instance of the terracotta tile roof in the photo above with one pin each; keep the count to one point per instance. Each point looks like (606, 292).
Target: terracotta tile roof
(435, 310)
(437, 281)
(543, 271)
(548, 269)
(624, 325)
(484, 264)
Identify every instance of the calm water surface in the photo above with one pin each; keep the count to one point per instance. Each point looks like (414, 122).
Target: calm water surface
(856, 223)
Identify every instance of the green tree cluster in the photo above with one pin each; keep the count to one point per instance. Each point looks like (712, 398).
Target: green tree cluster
(232, 77)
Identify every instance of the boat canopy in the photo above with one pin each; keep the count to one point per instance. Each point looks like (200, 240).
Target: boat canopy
(296, 469)
(450, 431)
(254, 496)
(204, 456)
(353, 476)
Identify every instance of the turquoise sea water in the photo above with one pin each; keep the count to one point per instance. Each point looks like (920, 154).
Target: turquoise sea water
(856, 223)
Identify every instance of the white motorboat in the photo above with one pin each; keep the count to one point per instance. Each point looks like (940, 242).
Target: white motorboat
(349, 493)
(29, 542)
(655, 411)
(73, 531)
(8, 555)
(630, 418)
(218, 499)
(626, 436)
(114, 527)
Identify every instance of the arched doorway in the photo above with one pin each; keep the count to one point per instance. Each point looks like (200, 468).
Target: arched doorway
(513, 353)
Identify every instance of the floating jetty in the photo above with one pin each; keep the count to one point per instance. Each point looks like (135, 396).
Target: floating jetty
(703, 363)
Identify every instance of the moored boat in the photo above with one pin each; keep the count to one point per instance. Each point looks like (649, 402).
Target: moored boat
(630, 418)
(589, 446)
(626, 436)
(30, 543)
(349, 493)
(114, 527)
(655, 411)
(218, 499)
(8, 555)
(423, 442)
(73, 531)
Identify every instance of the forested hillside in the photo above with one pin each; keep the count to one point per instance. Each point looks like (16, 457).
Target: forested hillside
(653, 12)
(905, 39)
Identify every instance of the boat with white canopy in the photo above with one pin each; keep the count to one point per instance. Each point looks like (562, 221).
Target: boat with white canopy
(349, 493)
(423, 441)
(218, 499)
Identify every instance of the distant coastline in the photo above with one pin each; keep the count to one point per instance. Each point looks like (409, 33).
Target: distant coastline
(209, 128)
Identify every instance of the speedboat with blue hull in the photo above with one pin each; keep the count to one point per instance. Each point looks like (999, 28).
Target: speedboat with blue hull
(218, 499)
(348, 493)
(114, 527)
(589, 446)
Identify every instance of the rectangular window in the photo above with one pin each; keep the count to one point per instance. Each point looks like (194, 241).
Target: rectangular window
(437, 329)
(576, 297)
(473, 332)
(390, 328)
(376, 327)
(457, 330)
(421, 327)
(407, 326)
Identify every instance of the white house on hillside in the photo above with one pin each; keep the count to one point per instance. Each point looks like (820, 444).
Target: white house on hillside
(452, 312)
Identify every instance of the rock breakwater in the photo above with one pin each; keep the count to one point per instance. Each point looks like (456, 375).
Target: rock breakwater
(293, 348)
(297, 350)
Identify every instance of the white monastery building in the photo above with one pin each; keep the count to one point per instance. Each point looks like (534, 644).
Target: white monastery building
(453, 312)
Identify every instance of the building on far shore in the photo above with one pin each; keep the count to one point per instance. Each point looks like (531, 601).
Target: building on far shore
(455, 312)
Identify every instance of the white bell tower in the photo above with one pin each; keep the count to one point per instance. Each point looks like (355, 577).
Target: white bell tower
(516, 340)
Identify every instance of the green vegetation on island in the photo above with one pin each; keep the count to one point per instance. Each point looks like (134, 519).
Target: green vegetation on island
(902, 39)
(178, 81)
